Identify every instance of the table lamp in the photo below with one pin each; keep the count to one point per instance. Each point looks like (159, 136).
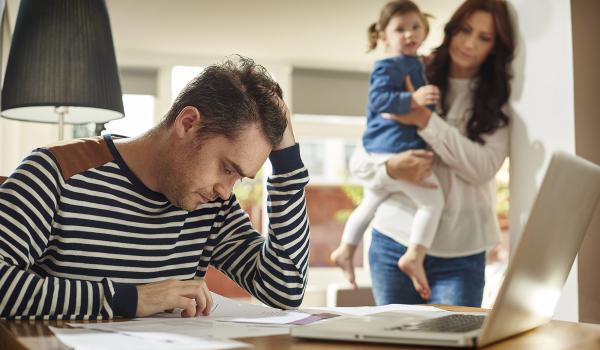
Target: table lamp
(61, 66)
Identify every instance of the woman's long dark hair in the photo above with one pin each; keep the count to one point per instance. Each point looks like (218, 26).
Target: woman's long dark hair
(493, 88)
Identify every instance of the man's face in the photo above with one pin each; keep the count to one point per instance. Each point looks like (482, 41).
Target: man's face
(197, 175)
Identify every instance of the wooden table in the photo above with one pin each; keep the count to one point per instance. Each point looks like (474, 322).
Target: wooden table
(20, 335)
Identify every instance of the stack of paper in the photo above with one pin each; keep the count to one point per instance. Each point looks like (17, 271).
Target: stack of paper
(94, 339)
(229, 319)
(225, 309)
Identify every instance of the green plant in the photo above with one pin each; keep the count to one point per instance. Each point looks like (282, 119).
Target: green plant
(355, 194)
(502, 198)
(250, 191)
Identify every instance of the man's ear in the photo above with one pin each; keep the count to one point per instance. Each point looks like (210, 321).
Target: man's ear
(188, 121)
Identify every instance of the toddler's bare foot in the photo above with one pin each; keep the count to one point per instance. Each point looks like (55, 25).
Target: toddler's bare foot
(342, 257)
(411, 263)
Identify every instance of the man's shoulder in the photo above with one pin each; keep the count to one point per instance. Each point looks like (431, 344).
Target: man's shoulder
(78, 155)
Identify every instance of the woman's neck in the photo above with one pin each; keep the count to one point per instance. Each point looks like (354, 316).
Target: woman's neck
(462, 73)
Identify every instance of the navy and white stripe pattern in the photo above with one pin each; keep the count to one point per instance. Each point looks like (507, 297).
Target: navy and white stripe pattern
(75, 248)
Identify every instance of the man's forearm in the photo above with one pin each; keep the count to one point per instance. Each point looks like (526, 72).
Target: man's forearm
(27, 296)
(288, 228)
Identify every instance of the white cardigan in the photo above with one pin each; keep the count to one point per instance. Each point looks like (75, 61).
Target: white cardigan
(466, 171)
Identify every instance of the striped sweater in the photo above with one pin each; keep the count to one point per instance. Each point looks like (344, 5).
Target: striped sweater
(78, 231)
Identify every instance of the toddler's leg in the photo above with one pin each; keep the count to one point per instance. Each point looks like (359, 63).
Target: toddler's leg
(411, 263)
(342, 256)
(362, 215)
(354, 229)
(430, 204)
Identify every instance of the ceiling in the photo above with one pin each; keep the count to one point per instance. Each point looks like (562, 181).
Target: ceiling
(307, 33)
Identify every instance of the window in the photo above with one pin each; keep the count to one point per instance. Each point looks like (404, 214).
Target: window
(326, 145)
(312, 153)
(180, 76)
(139, 116)
(331, 195)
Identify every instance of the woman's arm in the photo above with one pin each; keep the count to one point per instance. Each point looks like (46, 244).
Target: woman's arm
(471, 161)
(474, 162)
(413, 166)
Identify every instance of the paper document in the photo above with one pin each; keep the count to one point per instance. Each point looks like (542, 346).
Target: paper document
(226, 309)
(228, 319)
(89, 339)
(191, 327)
(370, 310)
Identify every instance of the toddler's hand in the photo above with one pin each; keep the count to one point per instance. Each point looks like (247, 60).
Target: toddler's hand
(426, 95)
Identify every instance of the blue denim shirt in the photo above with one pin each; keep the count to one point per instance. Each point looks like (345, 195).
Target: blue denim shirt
(387, 94)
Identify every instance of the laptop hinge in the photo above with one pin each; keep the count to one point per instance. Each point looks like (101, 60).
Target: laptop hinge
(415, 341)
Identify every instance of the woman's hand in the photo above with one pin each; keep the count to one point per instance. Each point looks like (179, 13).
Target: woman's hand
(412, 166)
(418, 115)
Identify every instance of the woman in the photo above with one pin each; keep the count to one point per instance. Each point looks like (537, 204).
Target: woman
(469, 136)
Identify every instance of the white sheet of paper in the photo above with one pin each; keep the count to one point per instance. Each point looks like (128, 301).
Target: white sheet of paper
(192, 327)
(370, 310)
(226, 309)
(90, 339)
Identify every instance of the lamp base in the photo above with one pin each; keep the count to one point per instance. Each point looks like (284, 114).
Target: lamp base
(61, 111)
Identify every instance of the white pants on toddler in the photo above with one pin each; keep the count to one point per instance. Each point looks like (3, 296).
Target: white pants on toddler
(370, 167)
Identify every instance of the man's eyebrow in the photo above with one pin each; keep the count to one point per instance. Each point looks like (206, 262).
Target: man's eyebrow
(239, 170)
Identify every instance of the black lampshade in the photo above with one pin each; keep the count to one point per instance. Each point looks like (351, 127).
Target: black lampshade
(62, 55)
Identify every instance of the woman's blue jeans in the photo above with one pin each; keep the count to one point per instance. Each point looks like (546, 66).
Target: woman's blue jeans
(453, 281)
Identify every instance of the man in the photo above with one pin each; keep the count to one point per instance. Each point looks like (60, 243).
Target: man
(104, 227)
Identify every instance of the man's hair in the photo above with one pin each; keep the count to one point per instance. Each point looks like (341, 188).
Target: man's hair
(231, 96)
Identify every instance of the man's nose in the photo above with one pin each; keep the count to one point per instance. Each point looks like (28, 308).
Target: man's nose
(224, 189)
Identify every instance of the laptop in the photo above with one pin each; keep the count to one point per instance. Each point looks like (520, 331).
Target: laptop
(534, 279)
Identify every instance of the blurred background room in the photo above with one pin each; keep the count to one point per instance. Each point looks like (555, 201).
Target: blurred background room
(316, 50)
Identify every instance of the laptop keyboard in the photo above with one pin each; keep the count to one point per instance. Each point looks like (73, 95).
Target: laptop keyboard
(451, 323)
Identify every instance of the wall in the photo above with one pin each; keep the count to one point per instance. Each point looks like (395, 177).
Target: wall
(17, 138)
(327, 92)
(586, 57)
(543, 113)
